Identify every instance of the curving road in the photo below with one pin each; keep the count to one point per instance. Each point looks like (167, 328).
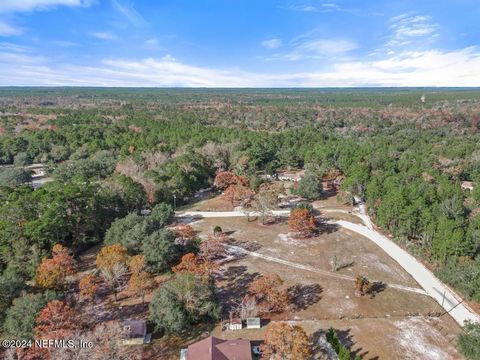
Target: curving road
(432, 286)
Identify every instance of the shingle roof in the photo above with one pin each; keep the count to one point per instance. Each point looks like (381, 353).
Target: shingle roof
(253, 321)
(213, 348)
(135, 328)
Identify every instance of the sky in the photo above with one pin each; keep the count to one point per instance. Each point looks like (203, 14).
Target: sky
(239, 43)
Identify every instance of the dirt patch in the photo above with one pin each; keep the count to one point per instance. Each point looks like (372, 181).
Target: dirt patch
(212, 203)
(419, 339)
(357, 253)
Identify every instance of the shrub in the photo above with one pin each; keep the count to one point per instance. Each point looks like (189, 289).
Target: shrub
(303, 205)
(465, 276)
(340, 349)
(309, 187)
(469, 341)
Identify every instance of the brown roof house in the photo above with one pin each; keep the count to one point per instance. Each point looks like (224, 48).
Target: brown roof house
(213, 348)
(135, 332)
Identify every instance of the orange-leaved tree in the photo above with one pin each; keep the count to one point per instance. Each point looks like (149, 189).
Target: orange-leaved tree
(224, 179)
(213, 246)
(52, 272)
(136, 264)
(55, 321)
(196, 265)
(269, 293)
(302, 222)
(111, 255)
(238, 194)
(363, 286)
(285, 342)
(140, 283)
(112, 263)
(88, 286)
(185, 233)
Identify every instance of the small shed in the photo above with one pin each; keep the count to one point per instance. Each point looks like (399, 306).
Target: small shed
(135, 332)
(253, 323)
(183, 354)
(235, 324)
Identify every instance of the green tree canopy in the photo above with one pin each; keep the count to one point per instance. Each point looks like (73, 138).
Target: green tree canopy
(185, 300)
(160, 251)
(13, 177)
(310, 186)
(20, 318)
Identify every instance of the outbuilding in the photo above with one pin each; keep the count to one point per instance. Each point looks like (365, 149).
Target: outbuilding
(135, 332)
(235, 324)
(253, 323)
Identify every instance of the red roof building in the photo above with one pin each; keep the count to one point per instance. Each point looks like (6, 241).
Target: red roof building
(213, 348)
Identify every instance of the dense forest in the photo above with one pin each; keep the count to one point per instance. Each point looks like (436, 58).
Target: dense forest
(112, 152)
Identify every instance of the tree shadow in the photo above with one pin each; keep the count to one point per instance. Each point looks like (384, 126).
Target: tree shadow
(302, 296)
(346, 339)
(376, 288)
(318, 346)
(236, 281)
(344, 336)
(274, 220)
(247, 245)
(207, 194)
(137, 311)
(329, 192)
(188, 219)
(325, 227)
(86, 260)
(345, 265)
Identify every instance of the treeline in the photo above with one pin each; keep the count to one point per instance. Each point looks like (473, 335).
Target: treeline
(360, 97)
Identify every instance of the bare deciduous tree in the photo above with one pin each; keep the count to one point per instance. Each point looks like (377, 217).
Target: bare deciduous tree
(113, 277)
(107, 344)
(248, 307)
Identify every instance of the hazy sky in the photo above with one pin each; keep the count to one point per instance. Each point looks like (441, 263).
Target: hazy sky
(240, 43)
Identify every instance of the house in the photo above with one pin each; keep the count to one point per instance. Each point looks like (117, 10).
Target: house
(213, 348)
(135, 332)
(235, 324)
(467, 185)
(332, 180)
(290, 175)
(253, 323)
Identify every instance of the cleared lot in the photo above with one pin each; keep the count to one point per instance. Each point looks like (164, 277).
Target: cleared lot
(378, 327)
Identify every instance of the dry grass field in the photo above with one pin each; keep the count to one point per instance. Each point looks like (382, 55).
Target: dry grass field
(394, 324)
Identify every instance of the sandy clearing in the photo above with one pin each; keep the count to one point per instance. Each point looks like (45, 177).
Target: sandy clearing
(431, 285)
(238, 249)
